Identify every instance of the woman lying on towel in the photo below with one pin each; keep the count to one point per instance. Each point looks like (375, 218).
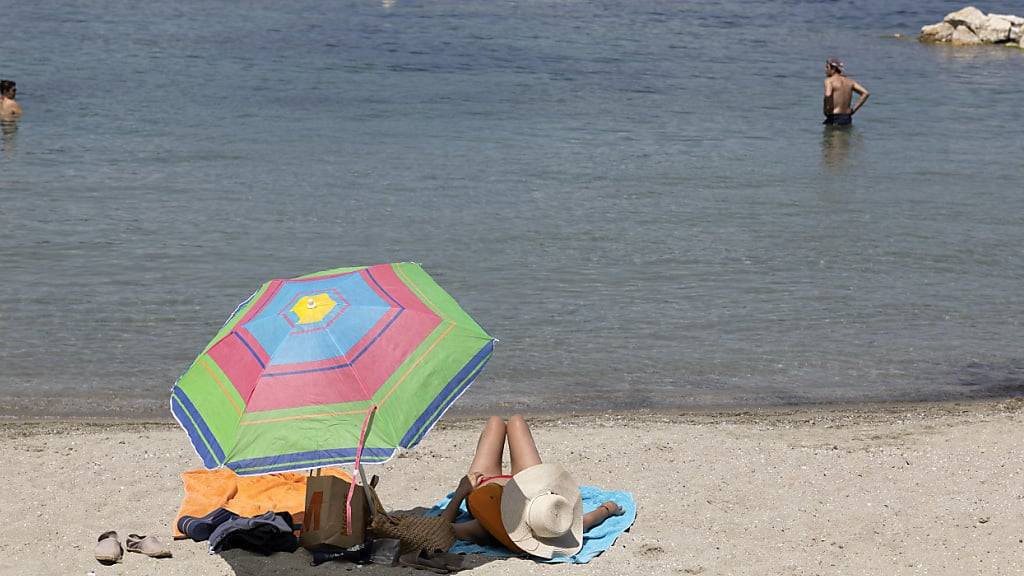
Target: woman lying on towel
(536, 509)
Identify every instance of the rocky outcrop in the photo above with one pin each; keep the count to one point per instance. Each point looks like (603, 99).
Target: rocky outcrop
(969, 16)
(970, 26)
(941, 32)
(1016, 26)
(964, 36)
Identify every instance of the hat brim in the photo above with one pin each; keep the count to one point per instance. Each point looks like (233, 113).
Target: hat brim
(515, 499)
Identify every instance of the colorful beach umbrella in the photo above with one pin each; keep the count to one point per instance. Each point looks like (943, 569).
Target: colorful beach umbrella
(291, 379)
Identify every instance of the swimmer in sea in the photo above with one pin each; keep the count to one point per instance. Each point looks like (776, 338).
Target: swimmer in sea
(839, 91)
(9, 107)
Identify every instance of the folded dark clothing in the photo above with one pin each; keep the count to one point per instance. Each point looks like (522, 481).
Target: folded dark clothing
(199, 528)
(263, 534)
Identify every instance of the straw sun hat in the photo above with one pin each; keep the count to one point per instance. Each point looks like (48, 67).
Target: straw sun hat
(542, 511)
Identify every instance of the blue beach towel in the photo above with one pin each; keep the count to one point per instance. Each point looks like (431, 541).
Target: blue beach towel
(596, 540)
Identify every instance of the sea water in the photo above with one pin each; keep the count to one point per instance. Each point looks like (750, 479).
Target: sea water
(636, 197)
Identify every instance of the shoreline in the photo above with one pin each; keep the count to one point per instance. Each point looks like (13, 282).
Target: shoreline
(826, 413)
(110, 406)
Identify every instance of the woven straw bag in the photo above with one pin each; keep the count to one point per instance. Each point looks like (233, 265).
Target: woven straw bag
(414, 532)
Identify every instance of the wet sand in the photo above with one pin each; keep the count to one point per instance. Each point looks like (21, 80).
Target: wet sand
(870, 489)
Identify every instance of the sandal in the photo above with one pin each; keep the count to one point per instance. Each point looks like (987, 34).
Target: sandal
(149, 545)
(108, 549)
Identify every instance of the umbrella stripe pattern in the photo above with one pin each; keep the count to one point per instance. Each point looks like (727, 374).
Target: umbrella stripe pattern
(288, 380)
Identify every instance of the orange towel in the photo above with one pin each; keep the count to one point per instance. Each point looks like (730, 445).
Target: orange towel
(207, 490)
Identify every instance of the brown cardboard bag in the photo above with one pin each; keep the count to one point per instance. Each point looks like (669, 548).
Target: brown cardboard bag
(323, 524)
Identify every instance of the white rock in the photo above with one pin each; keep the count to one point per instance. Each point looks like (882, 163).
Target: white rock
(963, 36)
(994, 30)
(941, 32)
(1015, 20)
(970, 16)
(1016, 32)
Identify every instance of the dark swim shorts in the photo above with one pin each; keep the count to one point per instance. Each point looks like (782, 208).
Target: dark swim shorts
(838, 119)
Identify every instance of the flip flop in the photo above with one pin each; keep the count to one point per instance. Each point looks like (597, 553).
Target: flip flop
(149, 545)
(108, 549)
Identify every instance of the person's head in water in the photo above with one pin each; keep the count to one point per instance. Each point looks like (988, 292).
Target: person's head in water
(833, 66)
(8, 88)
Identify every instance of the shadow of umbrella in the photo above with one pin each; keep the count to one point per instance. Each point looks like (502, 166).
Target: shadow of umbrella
(298, 564)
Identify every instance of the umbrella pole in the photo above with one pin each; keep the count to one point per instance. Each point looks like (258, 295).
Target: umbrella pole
(368, 490)
(362, 473)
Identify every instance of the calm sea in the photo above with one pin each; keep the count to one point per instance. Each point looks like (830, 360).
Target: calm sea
(636, 197)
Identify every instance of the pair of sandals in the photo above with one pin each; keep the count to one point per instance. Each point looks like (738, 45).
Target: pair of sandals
(109, 551)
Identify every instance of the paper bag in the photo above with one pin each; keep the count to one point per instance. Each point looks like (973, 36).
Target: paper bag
(323, 525)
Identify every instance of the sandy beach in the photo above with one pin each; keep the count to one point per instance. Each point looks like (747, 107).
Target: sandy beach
(911, 489)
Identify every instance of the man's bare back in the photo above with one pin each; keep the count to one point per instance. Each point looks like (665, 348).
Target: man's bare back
(9, 107)
(839, 92)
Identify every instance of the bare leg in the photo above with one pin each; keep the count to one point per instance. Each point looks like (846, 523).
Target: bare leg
(521, 448)
(489, 448)
(472, 531)
(486, 462)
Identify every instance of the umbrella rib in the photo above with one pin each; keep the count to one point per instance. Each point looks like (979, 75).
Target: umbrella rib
(351, 364)
(362, 386)
(434, 308)
(416, 363)
(256, 385)
(475, 332)
(412, 286)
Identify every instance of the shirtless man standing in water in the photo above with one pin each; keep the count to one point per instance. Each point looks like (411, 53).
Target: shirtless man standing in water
(9, 108)
(839, 95)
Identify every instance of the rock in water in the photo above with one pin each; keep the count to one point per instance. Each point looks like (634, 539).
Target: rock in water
(970, 26)
(1015, 20)
(969, 16)
(994, 30)
(1016, 32)
(941, 32)
(963, 36)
